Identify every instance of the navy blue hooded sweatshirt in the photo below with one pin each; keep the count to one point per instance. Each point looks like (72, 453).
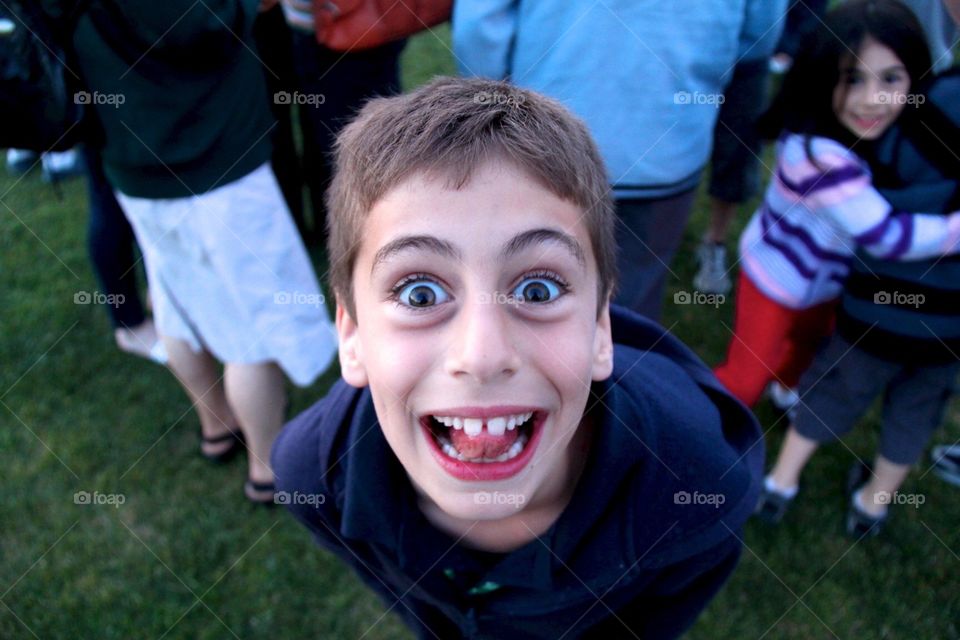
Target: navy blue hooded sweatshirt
(648, 538)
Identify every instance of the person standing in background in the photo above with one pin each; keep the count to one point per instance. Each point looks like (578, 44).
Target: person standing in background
(649, 95)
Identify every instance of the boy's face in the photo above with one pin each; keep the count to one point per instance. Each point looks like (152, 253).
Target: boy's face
(477, 307)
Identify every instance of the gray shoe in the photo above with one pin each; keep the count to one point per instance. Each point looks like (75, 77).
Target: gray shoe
(946, 463)
(713, 276)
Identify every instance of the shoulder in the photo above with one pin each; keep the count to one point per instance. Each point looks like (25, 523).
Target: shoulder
(697, 458)
(303, 454)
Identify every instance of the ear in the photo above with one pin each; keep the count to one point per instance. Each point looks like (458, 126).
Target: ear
(603, 346)
(351, 350)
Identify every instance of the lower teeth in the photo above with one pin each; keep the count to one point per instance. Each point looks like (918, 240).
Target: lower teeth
(447, 447)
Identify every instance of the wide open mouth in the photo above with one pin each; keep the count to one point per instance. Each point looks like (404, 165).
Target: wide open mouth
(483, 440)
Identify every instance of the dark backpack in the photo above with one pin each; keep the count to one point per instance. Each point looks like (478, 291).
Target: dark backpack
(39, 107)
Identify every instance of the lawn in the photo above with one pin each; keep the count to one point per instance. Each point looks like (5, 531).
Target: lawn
(184, 556)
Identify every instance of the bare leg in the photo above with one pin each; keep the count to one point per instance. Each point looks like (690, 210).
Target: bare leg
(721, 215)
(887, 478)
(199, 375)
(794, 454)
(257, 396)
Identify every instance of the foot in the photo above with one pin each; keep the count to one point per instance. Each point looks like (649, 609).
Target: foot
(862, 520)
(780, 63)
(142, 340)
(946, 463)
(222, 447)
(60, 165)
(20, 161)
(782, 397)
(712, 276)
(774, 501)
(260, 492)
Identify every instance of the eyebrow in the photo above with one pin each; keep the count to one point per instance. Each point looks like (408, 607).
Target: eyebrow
(544, 236)
(443, 248)
(407, 243)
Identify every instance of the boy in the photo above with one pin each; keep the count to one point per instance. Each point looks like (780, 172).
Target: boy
(479, 466)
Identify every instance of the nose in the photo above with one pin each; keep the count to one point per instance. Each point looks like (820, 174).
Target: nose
(484, 343)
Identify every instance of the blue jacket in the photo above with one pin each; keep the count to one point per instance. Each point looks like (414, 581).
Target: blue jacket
(909, 312)
(654, 524)
(646, 76)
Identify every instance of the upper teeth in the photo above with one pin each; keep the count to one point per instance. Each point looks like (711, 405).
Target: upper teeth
(495, 426)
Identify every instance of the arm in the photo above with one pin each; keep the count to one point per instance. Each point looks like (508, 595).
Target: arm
(483, 33)
(676, 597)
(871, 222)
(762, 26)
(842, 193)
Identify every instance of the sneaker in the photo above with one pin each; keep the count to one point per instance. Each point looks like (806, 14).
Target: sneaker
(712, 276)
(19, 161)
(858, 523)
(783, 398)
(60, 165)
(946, 463)
(780, 63)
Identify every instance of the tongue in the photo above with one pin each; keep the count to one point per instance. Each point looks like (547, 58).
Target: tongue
(483, 445)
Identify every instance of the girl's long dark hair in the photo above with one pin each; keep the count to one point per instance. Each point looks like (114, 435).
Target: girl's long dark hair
(804, 104)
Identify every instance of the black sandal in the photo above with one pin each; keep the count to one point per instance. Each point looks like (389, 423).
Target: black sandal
(252, 488)
(238, 443)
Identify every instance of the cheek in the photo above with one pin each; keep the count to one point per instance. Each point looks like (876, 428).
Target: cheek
(566, 355)
(398, 360)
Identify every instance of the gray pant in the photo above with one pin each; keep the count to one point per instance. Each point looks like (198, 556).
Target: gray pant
(843, 382)
(648, 235)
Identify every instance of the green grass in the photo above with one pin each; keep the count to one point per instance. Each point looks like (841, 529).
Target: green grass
(186, 557)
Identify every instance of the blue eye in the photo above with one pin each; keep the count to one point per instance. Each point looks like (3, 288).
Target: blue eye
(536, 290)
(420, 294)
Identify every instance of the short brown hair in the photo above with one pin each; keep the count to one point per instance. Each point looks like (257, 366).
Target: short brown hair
(448, 128)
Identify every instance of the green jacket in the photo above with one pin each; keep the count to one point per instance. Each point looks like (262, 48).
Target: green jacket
(178, 90)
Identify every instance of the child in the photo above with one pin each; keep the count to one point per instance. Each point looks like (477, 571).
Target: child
(507, 455)
(821, 205)
(897, 320)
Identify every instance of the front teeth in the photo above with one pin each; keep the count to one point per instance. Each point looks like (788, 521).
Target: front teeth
(472, 426)
(495, 426)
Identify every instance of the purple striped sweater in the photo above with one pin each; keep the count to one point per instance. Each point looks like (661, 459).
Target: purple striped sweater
(798, 246)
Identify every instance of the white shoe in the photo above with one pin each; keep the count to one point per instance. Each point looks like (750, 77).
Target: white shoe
(783, 398)
(58, 165)
(19, 161)
(713, 276)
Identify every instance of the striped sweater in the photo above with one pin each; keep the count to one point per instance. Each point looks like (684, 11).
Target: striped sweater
(797, 248)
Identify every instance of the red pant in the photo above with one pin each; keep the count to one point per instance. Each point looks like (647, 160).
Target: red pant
(770, 342)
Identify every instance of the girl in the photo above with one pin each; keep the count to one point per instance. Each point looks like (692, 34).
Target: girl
(841, 95)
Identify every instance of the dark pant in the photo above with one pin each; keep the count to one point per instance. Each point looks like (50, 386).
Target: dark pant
(111, 244)
(844, 381)
(648, 235)
(345, 81)
(275, 48)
